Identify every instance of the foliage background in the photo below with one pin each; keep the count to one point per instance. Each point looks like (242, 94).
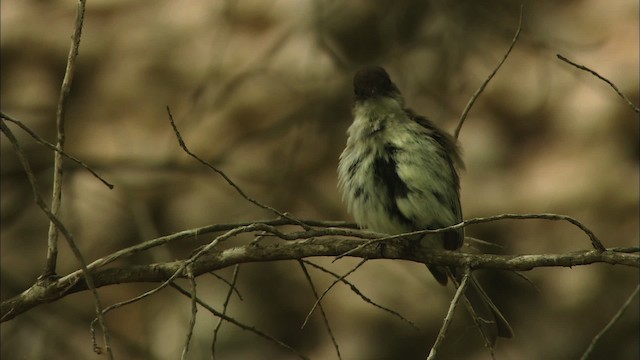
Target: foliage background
(262, 89)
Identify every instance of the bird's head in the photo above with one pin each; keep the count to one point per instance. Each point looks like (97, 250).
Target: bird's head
(372, 82)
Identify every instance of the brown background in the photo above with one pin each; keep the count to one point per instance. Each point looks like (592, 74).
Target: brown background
(262, 89)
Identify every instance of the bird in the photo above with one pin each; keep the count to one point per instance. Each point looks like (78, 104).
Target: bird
(398, 173)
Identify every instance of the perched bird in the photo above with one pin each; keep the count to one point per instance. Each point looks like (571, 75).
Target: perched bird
(398, 174)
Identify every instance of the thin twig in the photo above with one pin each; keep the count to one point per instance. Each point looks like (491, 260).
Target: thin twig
(194, 311)
(477, 320)
(65, 89)
(239, 324)
(360, 294)
(610, 323)
(595, 242)
(177, 273)
(183, 145)
(475, 96)
(210, 229)
(468, 240)
(67, 235)
(306, 319)
(324, 315)
(447, 320)
(225, 307)
(613, 86)
(232, 284)
(54, 148)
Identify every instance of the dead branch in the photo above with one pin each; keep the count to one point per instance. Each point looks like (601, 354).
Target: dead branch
(39, 294)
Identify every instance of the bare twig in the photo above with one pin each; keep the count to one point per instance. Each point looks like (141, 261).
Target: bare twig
(44, 281)
(232, 283)
(330, 228)
(475, 96)
(595, 242)
(324, 315)
(225, 306)
(447, 320)
(55, 226)
(56, 197)
(613, 86)
(194, 311)
(54, 148)
(360, 294)
(610, 323)
(239, 324)
(206, 230)
(477, 320)
(318, 299)
(469, 241)
(299, 249)
(178, 272)
(183, 145)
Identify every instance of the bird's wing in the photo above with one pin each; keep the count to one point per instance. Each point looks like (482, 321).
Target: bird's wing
(446, 146)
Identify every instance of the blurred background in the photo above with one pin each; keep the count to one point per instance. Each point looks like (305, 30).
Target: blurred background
(262, 90)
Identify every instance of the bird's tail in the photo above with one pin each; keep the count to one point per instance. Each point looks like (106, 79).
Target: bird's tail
(486, 314)
(489, 318)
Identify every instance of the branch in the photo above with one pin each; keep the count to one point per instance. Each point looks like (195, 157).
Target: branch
(357, 291)
(318, 299)
(615, 318)
(595, 242)
(447, 320)
(238, 323)
(225, 306)
(299, 249)
(613, 86)
(475, 96)
(231, 183)
(322, 312)
(42, 141)
(65, 89)
(45, 282)
(337, 228)
(194, 310)
(126, 252)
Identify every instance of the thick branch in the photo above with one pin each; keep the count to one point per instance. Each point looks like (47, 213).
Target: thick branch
(292, 250)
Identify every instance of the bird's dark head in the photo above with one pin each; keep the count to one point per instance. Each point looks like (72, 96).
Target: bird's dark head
(371, 82)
